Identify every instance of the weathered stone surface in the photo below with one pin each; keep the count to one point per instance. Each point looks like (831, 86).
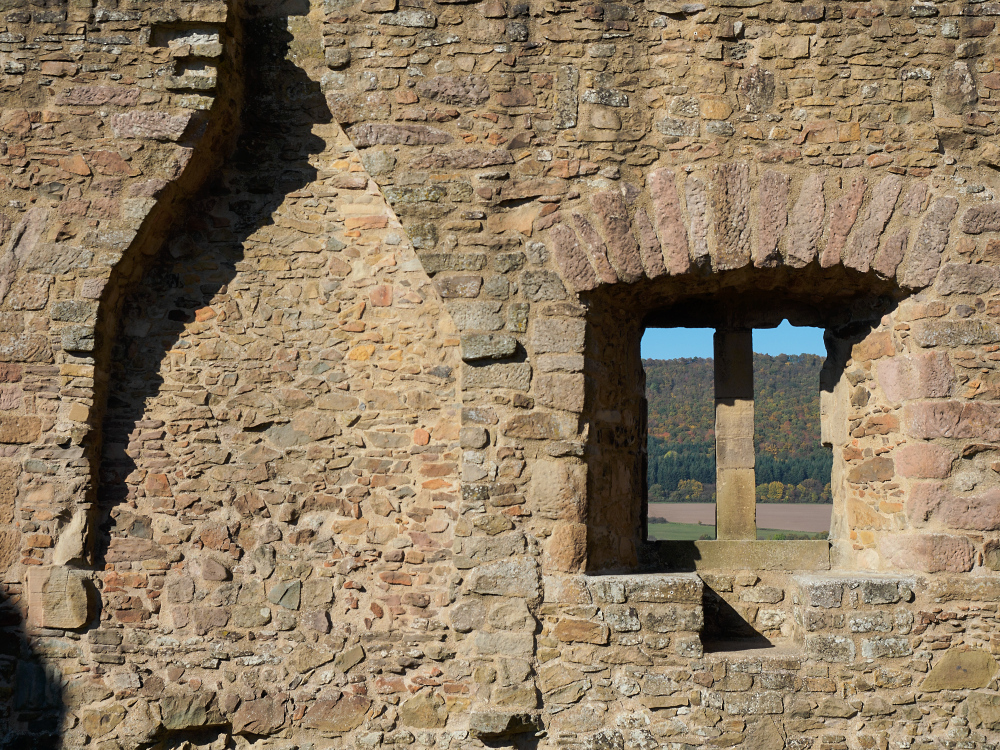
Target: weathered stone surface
(956, 278)
(17, 429)
(806, 224)
(463, 90)
(516, 577)
(464, 158)
(567, 547)
(623, 250)
(891, 254)
(961, 670)
(490, 725)
(951, 333)
(669, 221)
(342, 714)
(932, 502)
(924, 461)
(731, 209)
(597, 251)
(487, 346)
(951, 419)
(697, 208)
(189, 710)
(426, 710)
(574, 265)
(649, 245)
(558, 489)
(564, 391)
(928, 375)
(924, 258)
(514, 375)
(158, 126)
(261, 716)
(862, 251)
(771, 219)
(843, 214)
(368, 134)
(930, 553)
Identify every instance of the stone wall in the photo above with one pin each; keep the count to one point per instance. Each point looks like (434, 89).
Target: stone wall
(321, 408)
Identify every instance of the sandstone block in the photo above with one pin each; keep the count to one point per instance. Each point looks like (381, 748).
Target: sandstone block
(886, 648)
(961, 278)
(467, 614)
(669, 221)
(157, 126)
(261, 716)
(558, 489)
(924, 461)
(862, 251)
(573, 262)
(731, 209)
(832, 648)
(878, 469)
(368, 134)
(930, 553)
(970, 669)
(513, 577)
(649, 245)
(772, 218)
(513, 375)
(487, 346)
(843, 214)
(426, 710)
(539, 426)
(17, 429)
(581, 631)
(561, 391)
(951, 419)
(558, 335)
(567, 547)
(459, 90)
(596, 250)
(490, 725)
(806, 223)
(57, 598)
(344, 714)
(952, 333)
(927, 375)
(924, 258)
(623, 250)
(932, 501)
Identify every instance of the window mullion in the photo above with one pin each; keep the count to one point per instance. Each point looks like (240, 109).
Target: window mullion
(735, 509)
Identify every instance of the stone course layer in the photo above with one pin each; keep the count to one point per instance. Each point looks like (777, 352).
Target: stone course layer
(322, 417)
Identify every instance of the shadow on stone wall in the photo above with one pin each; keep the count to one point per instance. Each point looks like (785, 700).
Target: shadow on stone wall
(199, 261)
(32, 706)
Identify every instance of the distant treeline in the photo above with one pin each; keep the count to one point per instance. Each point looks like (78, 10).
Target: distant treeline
(791, 465)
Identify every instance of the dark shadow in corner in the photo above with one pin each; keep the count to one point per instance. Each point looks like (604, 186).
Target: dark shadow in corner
(32, 714)
(725, 629)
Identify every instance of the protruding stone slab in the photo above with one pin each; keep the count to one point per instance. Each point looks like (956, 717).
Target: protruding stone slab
(491, 725)
(737, 554)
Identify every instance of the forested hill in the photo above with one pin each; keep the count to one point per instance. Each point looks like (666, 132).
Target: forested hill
(682, 435)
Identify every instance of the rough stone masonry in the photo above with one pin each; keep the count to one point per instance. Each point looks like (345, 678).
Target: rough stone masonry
(321, 409)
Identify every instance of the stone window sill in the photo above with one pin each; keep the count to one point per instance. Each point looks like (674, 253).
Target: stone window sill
(724, 554)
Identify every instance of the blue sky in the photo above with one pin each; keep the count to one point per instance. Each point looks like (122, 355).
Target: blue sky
(671, 343)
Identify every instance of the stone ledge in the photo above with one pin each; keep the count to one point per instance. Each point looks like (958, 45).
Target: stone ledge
(724, 554)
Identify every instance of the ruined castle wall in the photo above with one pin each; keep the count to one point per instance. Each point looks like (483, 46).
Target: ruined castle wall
(321, 413)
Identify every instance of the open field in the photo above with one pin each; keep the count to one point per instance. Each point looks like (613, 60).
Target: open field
(790, 517)
(689, 531)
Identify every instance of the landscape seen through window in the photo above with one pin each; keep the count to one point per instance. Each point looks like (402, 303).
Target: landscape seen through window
(792, 467)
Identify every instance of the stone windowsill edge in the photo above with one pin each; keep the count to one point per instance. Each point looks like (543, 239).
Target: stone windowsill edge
(725, 554)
